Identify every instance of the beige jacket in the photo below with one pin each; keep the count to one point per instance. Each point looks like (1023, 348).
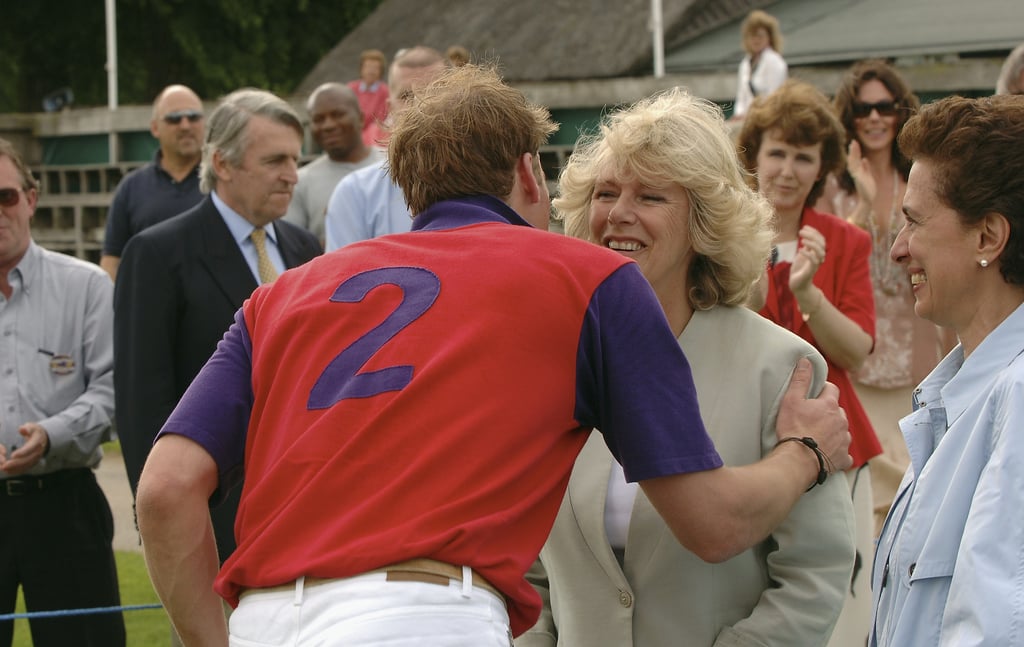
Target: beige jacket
(788, 590)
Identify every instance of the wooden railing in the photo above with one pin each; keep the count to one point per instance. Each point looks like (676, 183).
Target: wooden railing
(71, 216)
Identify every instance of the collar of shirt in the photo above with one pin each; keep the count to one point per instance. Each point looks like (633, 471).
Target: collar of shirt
(27, 269)
(999, 349)
(158, 156)
(470, 210)
(239, 227)
(363, 87)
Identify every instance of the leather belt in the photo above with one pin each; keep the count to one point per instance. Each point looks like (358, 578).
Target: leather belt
(432, 571)
(29, 484)
(429, 571)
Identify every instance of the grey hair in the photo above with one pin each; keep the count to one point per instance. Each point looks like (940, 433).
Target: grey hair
(28, 181)
(227, 127)
(1010, 74)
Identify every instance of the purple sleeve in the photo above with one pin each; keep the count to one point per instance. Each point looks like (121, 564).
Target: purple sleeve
(215, 409)
(633, 383)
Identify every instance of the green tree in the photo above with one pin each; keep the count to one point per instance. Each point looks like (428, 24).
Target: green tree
(214, 46)
(48, 45)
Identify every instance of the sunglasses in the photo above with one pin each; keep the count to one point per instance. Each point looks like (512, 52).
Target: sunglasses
(174, 118)
(884, 108)
(9, 197)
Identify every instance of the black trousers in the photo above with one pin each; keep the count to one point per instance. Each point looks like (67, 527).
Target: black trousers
(55, 542)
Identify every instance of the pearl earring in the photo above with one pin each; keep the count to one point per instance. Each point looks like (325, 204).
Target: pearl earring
(983, 263)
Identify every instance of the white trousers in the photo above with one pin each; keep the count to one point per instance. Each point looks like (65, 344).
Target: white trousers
(367, 610)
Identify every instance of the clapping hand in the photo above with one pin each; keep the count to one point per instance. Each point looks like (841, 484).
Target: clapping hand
(860, 170)
(809, 257)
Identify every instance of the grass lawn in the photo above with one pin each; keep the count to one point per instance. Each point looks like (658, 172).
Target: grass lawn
(146, 628)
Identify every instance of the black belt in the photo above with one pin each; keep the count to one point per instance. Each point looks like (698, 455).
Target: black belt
(28, 484)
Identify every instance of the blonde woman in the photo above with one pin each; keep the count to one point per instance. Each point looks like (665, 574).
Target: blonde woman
(662, 186)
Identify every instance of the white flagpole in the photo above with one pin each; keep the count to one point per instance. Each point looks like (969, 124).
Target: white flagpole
(659, 39)
(111, 14)
(111, 55)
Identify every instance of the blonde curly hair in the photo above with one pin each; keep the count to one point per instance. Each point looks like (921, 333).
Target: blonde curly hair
(673, 137)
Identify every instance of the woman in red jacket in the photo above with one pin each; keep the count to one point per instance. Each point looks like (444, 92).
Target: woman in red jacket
(819, 284)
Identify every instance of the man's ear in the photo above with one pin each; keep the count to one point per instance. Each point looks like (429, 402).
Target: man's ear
(527, 179)
(221, 167)
(32, 197)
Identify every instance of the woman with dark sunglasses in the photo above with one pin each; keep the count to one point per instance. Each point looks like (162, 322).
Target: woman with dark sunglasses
(874, 102)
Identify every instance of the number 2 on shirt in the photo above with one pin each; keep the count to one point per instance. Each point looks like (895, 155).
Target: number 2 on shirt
(341, 379)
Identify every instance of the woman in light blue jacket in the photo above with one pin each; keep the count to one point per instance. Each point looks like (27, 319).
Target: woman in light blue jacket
(949, 568)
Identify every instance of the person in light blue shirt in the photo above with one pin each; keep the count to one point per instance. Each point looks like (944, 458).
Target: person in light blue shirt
(366, 203)
(949, 567)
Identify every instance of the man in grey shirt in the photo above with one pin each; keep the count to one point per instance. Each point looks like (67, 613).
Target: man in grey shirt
(56, 403)
(337, 124)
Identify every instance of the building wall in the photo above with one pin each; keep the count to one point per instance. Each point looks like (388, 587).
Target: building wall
(81, 154)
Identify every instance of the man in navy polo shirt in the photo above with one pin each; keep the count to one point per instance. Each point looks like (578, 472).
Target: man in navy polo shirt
(166, 186)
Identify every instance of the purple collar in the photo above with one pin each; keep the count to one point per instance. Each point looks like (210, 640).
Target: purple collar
(469, 210)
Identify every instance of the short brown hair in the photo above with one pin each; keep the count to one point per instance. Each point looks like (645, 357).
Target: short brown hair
(803, 117)
(977, 149)
(28, 181)
(457, 55)
(462, 136)
(373, 55)
(907, 104)
(758, 19)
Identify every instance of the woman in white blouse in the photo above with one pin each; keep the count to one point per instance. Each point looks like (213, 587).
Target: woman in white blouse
(763, 69)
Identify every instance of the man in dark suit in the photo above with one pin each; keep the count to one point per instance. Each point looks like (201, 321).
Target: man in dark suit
(180, 282)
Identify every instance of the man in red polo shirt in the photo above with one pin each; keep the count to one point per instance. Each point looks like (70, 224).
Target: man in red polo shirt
(407, 411)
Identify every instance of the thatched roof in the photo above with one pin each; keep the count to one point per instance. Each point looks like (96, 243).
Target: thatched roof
(532, 40)
(581, 41)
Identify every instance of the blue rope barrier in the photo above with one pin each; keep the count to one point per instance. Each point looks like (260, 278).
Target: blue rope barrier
(77, 612)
